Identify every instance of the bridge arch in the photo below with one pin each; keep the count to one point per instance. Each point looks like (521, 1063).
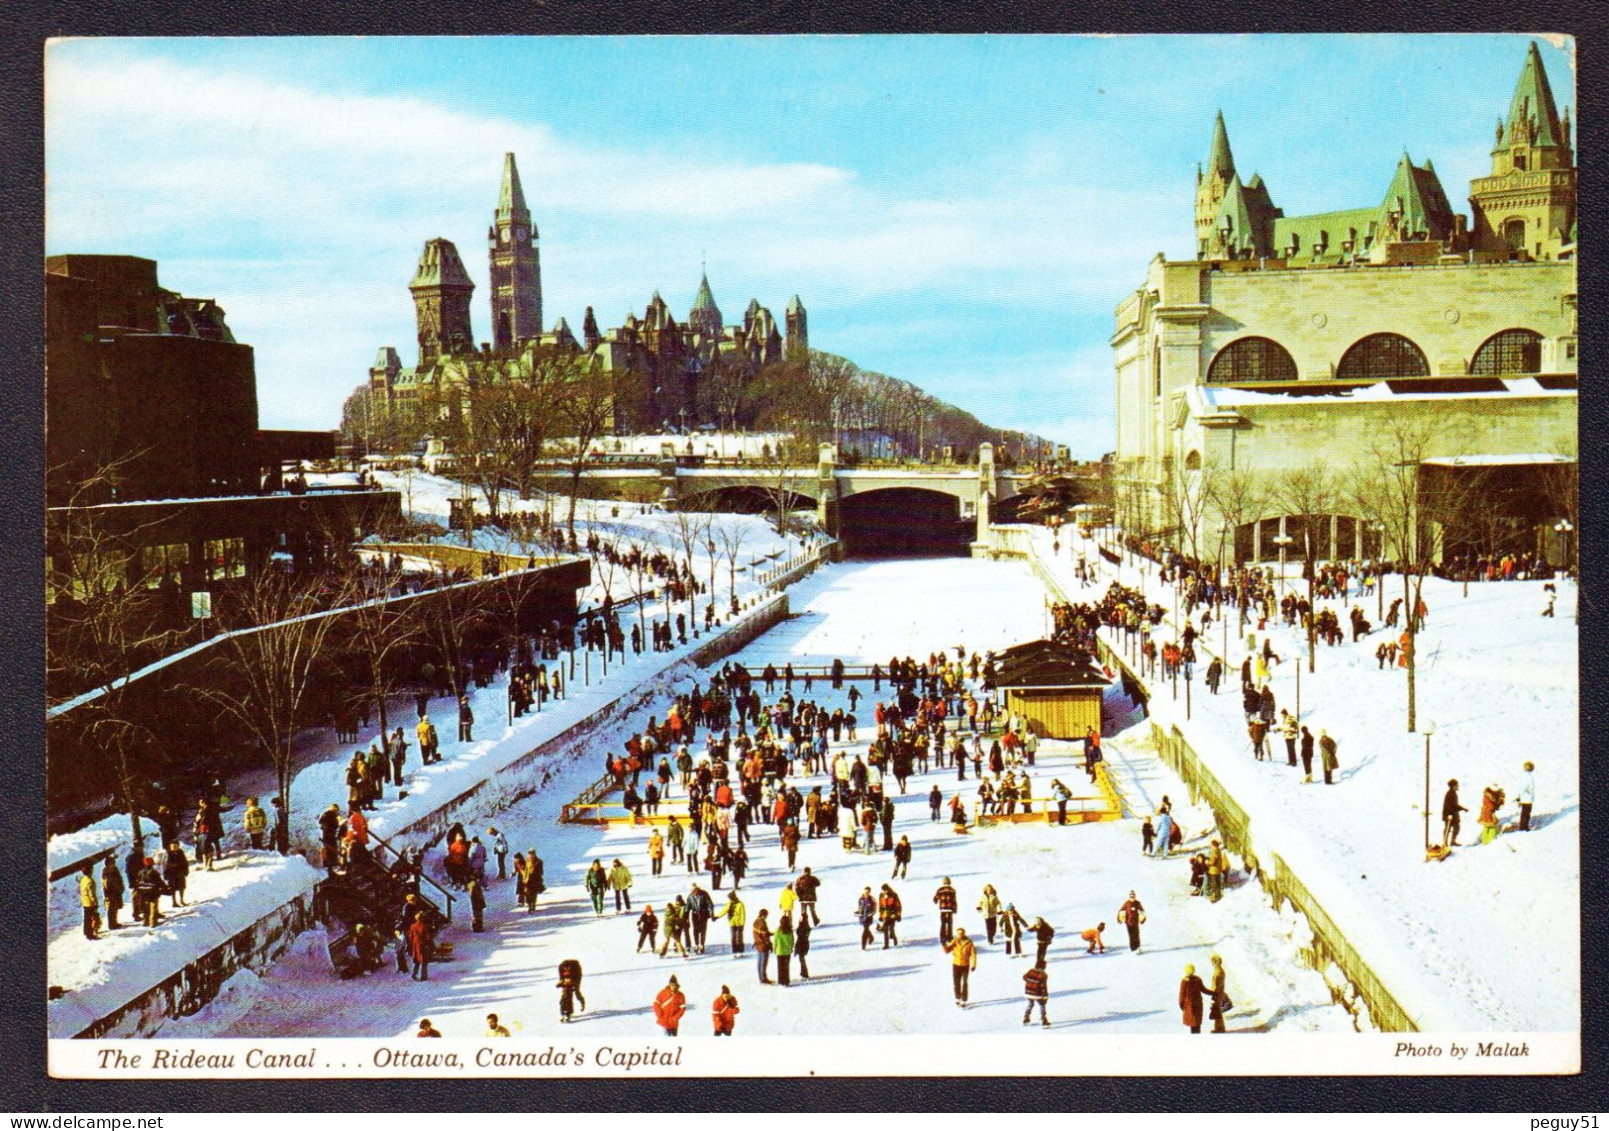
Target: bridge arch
(738, 498)
(903, 522)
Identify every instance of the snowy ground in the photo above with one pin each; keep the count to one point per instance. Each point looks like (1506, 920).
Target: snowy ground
(1500, 681)
(1074, 877)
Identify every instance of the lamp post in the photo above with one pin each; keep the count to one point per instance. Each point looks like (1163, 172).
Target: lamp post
(1427, 728)
(1379, 570)
(1564, 529)
(1282, 542)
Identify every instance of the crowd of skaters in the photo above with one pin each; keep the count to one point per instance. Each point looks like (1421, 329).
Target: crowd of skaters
(770, 776)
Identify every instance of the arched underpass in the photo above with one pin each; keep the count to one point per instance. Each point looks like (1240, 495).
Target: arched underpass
(903, 522)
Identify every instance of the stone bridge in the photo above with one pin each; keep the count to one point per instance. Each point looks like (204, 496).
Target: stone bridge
(848, 501)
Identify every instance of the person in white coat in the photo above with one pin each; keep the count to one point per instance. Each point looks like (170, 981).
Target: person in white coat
(1525, 795)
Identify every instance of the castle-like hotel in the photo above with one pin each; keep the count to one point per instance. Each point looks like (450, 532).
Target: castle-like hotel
(665, 370)
(1294, 342)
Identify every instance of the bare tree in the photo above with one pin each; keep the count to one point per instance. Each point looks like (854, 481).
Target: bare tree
(731, 534)
(692, 531)
(266, 668)
(1309, 494)
(1391, 489)
(105, 619)
(1239, 497)
(583, 409)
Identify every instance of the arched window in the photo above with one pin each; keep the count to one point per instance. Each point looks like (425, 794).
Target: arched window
(1511, 351)
(1381, 356)
(1514, 231)
(1192, 462)
(1252, 359)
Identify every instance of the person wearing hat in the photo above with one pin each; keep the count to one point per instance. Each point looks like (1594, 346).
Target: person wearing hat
(1191, 991)
(329, 832)
(669, 1006)
(466, 720)
(89, 901)
(1525, 796)
(725, 1011)
(1450, 809)
(1326, 751)
(426, 1029)
(148, 891)
(1131, 915)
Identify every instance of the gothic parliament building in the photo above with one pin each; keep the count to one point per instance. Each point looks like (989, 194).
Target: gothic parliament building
(666, 372)
(1287, 343)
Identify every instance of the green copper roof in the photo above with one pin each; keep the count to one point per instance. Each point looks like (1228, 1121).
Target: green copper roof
(705, 302)
(1310, 231)
(1424, 204)
(511, 199)
(1220, 158)
(440, 266)
(1533, 99)
(1249, 213)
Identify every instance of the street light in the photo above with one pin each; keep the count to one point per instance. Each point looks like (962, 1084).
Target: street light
(1427, 727)
(1563, 529)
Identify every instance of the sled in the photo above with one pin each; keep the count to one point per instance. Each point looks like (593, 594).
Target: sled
(1437, 853)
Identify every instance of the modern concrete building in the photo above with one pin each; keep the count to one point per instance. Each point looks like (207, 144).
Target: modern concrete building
(1300, 343)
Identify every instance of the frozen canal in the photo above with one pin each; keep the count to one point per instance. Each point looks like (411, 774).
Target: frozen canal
(1074, 877)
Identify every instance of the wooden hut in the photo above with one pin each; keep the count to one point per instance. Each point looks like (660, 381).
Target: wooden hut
(1056, 687)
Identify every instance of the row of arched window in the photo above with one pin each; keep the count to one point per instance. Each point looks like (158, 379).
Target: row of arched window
(1374, 358)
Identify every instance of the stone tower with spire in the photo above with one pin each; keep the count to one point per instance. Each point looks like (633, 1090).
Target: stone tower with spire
(705, 317)
(441, 292)
(516, 269)
(796, 327)
(1212, 184)
(1527, 207)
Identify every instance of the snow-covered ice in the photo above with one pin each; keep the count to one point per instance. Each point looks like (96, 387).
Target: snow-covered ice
(1075, 877)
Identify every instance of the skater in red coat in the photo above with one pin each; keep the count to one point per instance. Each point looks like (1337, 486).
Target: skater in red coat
(725, 1012)
(669, 1007)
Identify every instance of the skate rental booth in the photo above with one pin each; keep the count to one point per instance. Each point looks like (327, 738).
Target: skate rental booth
(1056, 687)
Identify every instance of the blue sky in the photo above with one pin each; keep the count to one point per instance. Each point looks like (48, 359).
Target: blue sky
(960, 211)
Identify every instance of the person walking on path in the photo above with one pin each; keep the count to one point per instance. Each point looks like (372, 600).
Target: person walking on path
(963, 960)
(724, 1012)
(255, 822)
(466, 720)
(945, 898)
(807, 887)
(620, 881)
(1327, 758)
(1220, 996)
(419, 947)
(736, 918)
(571, 968)
(1164, 834)
(889, 913)
(1131, 915)
(1450, 810)
(477, 904)
(669, 1007)
(500, 850)
(866, 913)
(112, 892)
(1191, 990)
(989, 908)
(1012, 926)
(801, 946)
(1217, 869)
(762, 945)
(647, 928)
(596, 883)
(782, 943)
(674, 929)
(1036, 988)
(902, 859)
(1525, 796)
(935, 802)
(1307, 754)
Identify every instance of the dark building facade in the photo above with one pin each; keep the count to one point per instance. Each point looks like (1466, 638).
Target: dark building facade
(152, 439)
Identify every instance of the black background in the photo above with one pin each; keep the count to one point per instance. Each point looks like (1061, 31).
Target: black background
(24, 1086)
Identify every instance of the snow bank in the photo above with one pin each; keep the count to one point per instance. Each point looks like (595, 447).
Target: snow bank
(1501, 682)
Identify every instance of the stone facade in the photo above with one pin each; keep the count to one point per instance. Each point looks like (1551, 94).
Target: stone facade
(1265, 359)
(668, 371)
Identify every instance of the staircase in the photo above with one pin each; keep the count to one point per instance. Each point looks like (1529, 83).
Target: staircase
(365, 891)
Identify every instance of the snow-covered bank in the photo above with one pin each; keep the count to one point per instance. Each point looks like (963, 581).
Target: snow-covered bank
(103, 975)
(1500, 681)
